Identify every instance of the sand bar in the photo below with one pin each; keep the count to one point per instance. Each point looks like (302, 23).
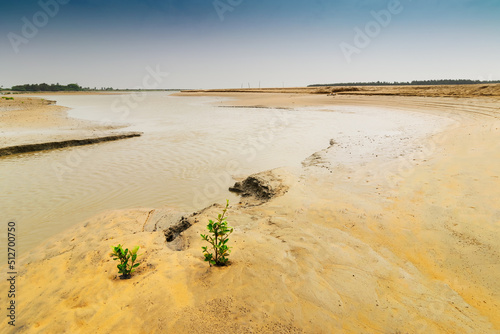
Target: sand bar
(33, 124)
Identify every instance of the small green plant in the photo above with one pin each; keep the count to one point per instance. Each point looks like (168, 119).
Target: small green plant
(125, 268)
(218, 238)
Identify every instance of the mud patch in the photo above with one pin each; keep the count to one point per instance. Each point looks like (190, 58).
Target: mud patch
(261, 186)
(174, 231)
(62, 144)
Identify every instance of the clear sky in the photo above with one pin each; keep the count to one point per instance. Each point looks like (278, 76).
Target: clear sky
(229, 43)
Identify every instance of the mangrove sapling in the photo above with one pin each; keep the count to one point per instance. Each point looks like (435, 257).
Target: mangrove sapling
(218, 238)
(125, 267)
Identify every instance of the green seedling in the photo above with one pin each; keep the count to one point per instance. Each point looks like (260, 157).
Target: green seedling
(125, 267)
(218, 238)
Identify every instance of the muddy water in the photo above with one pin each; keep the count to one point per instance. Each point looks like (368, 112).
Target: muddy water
(187, 157)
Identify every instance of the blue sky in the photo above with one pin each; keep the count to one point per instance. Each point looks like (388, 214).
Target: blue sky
(103, 43)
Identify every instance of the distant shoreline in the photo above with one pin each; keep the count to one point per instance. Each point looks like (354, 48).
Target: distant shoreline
(65, 92)
(462, 91)
(446, 90)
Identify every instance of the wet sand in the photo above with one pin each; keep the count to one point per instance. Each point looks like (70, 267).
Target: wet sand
(34, 124)
(406, 245)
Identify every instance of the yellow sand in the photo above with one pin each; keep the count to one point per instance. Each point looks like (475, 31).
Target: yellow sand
(27, 120)
(407, 247)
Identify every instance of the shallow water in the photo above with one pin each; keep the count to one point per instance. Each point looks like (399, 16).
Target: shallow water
(186, 158)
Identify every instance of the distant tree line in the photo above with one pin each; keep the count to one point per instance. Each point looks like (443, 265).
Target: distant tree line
(69, 88)
(43, 87)
(411, 83)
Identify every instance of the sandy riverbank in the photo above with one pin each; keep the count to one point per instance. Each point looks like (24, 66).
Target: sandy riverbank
(402, 246)
(478, 90)
(32, 124)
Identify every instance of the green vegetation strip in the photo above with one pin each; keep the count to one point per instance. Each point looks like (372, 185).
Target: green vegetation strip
(62, 144)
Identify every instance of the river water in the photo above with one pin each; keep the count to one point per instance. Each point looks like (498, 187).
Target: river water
(187, 157)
